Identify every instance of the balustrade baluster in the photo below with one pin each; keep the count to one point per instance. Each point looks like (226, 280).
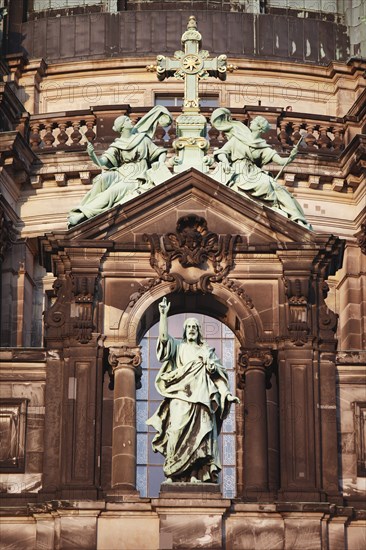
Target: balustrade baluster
(172, 133)
(324, 142)
(35, 138)
(48, 138)
(159, 136)
(62, 136)
(296, 136)
(338, 144)
(213, 135)
(90, 134)
(282, 136)
(310, 139)
(76, 135)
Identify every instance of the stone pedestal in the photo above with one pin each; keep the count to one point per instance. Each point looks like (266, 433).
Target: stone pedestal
(190, 490)
(191, 516)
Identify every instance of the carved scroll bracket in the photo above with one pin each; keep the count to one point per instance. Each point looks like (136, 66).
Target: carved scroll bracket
(192, 257)
(57, 314)
(126, 357)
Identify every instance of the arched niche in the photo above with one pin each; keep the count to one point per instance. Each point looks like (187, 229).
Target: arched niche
(230, 306)
(149, 466)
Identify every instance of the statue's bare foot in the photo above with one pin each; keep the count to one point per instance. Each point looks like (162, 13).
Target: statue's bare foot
(76, 218)
(194, 479)
(168, 480)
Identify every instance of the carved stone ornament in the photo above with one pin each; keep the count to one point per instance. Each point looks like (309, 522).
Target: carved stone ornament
(253, 358)
(239, 290)
(7, 235)
(297, 291)
(328, 321)
(84, 297)
(125, 357)
(77, 289)
(205, 257)
(361, 238)
(145, 286)
(56, 315)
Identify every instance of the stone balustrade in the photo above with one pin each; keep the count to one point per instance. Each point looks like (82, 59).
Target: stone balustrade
(72, 130)
(61, 130)
(319, 133)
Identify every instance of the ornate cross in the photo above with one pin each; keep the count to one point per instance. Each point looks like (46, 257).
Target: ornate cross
(191, 65)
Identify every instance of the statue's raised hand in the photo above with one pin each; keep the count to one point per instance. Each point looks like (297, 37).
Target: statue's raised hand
(164, 306)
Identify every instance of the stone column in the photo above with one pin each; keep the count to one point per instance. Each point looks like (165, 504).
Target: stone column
(255, 363)
(125, 362)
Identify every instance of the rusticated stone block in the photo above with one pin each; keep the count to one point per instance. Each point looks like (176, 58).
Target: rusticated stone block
(356, 535)
(126, 533)
(190, 531)
(261, 533)
(78, 532)
(18, 534)
(302, 533)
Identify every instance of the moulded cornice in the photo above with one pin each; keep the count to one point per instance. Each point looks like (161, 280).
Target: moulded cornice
(16, 152)
(244, 64)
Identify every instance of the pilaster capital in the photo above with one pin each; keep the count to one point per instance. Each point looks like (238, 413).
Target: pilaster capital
(251, 360)
(126, 357)
(255, 358)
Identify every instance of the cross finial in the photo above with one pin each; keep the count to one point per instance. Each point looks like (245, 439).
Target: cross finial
(192, 23)
(191, 65)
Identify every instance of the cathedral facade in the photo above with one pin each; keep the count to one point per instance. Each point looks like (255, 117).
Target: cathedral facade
(283, 301)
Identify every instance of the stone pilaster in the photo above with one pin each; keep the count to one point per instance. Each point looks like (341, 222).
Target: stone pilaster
(125, 362)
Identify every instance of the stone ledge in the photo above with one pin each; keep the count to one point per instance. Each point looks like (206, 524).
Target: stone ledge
(190, 490)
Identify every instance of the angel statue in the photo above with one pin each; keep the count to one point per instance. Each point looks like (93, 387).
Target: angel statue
(124, 165)
(197, 399)
(244, 155)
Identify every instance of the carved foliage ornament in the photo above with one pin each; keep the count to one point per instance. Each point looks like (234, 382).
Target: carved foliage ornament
(192, 245)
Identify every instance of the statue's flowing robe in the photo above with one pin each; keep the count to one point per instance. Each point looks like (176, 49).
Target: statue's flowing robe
(189, 419)
(126, 163)
(125, 176)
(247, 155)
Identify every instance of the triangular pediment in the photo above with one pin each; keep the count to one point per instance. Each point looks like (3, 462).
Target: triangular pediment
(190, 193)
